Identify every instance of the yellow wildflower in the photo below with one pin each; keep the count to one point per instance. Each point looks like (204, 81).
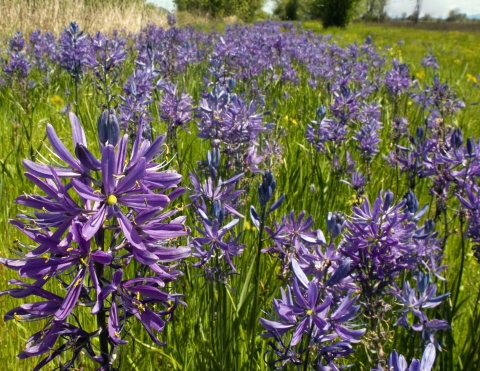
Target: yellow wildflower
(420, 75)
(57, 101)
(471, 78)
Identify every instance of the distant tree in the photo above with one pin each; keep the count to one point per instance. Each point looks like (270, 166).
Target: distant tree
(416, 10)
(335, 13)
(375, 9)
(292, 10)
(244, 9)
(427, 17)
(454, 15)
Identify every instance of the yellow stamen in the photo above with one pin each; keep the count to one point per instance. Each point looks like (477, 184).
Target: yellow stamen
(180, 207)
(140, 306)
(17, 317)
(78, 282)
(112, 200)
(69, 249)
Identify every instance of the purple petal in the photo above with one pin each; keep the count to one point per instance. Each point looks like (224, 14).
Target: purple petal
(428, 358)
(134, 175)
(43, 345)
(172, 254)
(86, 192)
(297, 335)
(71, 297)
(121, 154)
(86, 158)
(60, 148)
(77, 130)
(108, 169)
(275, 327)
(232, 179)
(348, 334)
(94, 223)
(144, 201)
(297, 270)
(45, 171)
(154, 148)
(150, 292)
(113, 325)
(98, 288)
(102, 257)
(151, 322)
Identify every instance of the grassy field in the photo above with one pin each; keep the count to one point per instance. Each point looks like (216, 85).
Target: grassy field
(213, 331)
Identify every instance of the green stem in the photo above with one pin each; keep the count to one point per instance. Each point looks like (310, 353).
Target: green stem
(307, 358)
(253, 316)
(462, 261)
(102, 314)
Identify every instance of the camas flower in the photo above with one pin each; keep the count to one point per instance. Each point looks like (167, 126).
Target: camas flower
(83, 199)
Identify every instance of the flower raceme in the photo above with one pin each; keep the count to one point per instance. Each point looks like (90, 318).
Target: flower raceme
(316, 319)
(120, 217)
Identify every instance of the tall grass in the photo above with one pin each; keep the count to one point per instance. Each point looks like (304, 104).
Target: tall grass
(53, 15)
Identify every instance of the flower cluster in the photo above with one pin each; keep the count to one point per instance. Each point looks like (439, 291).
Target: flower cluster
(398, 363)
(96, 219)
(214, 202)
(317, 320)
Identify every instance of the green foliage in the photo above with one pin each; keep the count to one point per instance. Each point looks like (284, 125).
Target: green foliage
(243, 9)
(292, 10)
(335, 13)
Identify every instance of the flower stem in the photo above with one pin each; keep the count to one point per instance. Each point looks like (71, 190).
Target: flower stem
(253, 316)
(102, 314)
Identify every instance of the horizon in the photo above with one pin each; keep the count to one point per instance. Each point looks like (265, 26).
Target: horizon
(395, 8)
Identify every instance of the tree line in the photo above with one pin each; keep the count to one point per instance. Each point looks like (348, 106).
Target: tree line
(336, 13)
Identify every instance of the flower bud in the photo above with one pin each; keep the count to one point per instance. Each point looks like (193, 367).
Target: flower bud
(469, 147)
(342, 272)
(321, 112)
(86, 158)
(419, 132)
(456, 140)
(411, 202)
(335, 223)
(108, 128)
(266, 189)
(388, 200)
(231, 84)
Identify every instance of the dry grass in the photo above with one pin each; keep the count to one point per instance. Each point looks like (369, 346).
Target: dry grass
(194, 19)
(54, 15)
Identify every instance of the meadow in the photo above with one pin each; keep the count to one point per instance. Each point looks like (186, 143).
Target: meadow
(327, 212)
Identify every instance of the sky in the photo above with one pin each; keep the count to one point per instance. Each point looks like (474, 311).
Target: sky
(395, 8)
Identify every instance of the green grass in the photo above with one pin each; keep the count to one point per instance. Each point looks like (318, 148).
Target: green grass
(214, 312)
